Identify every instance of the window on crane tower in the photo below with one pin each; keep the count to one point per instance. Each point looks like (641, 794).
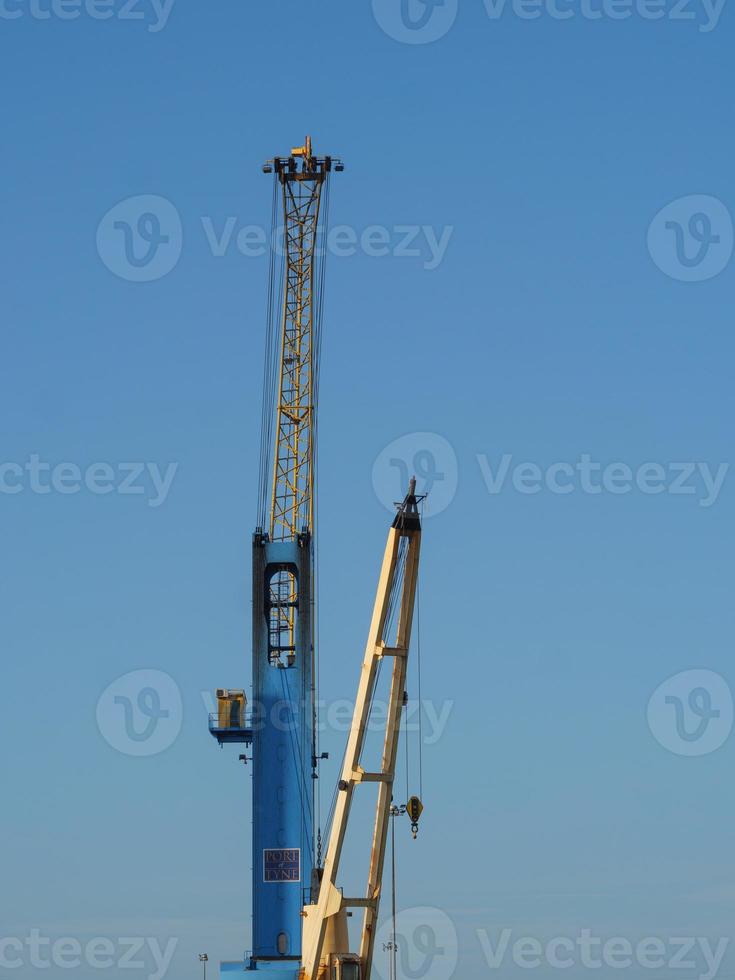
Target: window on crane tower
(283, 600)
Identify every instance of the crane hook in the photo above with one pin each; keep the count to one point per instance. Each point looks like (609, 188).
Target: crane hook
(414, 809)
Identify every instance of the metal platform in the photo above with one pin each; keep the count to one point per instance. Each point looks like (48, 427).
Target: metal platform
(229, 734)
(275, 969)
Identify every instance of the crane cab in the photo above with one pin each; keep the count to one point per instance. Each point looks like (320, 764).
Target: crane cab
(344, 966)
(336, 962)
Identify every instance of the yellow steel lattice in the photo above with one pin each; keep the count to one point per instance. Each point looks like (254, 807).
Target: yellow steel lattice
(292, 498)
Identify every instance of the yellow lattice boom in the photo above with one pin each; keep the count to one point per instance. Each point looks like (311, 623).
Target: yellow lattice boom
(302, 177)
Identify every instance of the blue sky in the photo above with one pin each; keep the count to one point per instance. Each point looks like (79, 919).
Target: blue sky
(557, 323)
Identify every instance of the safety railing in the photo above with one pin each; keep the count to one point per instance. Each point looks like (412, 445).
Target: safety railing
(215, 722)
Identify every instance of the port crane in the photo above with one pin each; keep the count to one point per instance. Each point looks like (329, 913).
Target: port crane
(299, 912)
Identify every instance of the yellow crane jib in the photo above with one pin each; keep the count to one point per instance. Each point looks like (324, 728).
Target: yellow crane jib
(324, 938)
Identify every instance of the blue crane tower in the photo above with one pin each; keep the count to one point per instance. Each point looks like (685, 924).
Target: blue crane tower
(279, 724)
(299, 905)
